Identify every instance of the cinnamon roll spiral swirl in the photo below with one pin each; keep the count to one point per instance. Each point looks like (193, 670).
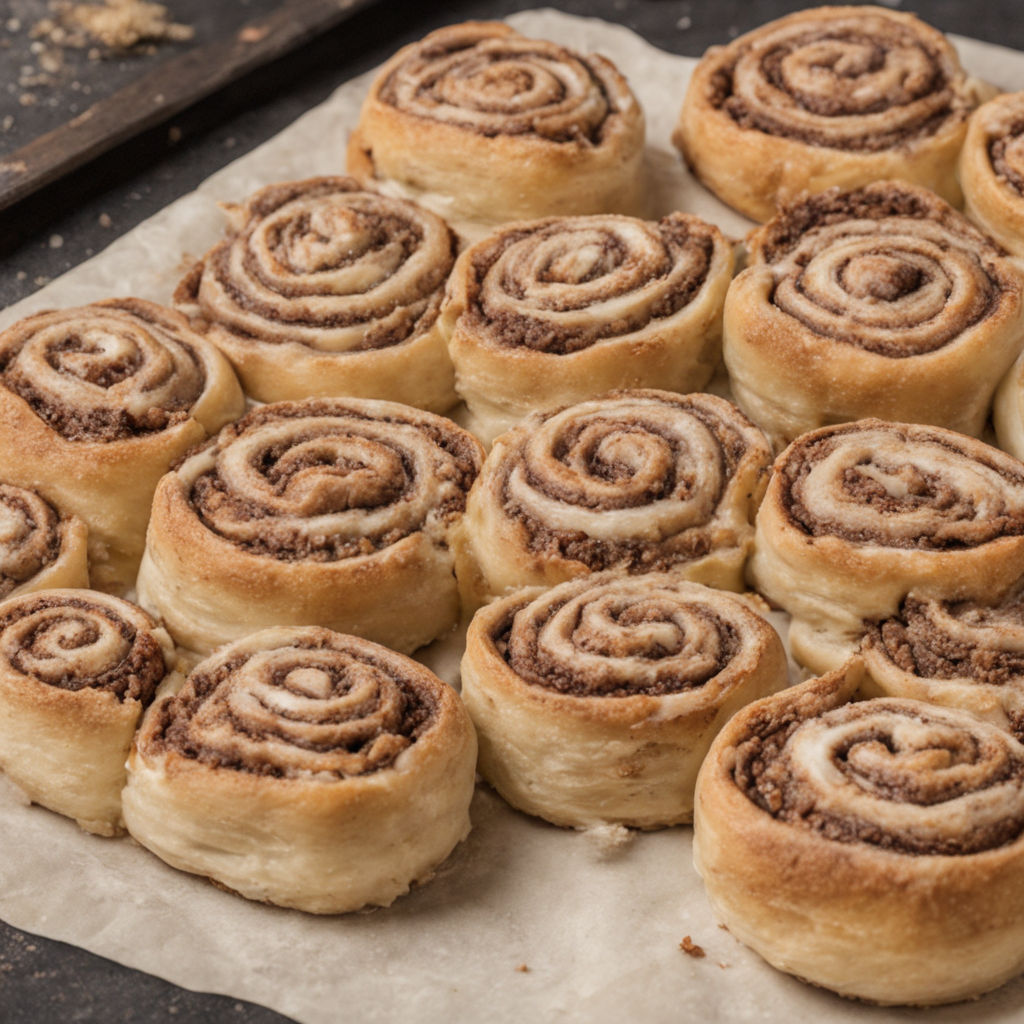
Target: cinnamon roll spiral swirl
(858, 516)
(77, 669)
(841, 840)
(992, 170)
(490, 126)
(325, 288)
(40, 549)
(334, 512)
(596, 701)
(305, 768)
(554, 311)
(881, 302)
(827, 96)
(634, 481)
(95, 404)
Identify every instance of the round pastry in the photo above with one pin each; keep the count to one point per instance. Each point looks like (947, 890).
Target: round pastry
(827, 96)
(962, 654)
(634, 481)
(77, 669)
(1008, 410)
(859, 515)
(39, 548)
(325, 288)
(874, 848)
(305, 768)
(553, 311)
(330, 512)
(881, 302)
(992, 170)
(489, 126)
(596, 701)
(95, 405)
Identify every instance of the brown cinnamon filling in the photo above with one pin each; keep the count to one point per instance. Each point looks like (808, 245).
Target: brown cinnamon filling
(23, 557)
(1005, 169)
(135, 677)
(762, 771)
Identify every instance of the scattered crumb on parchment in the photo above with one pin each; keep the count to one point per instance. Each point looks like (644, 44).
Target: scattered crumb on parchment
(609, 839)
(523, 969)
(690, 948)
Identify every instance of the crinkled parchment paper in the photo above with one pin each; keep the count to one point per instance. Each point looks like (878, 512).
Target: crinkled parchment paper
(525, 921)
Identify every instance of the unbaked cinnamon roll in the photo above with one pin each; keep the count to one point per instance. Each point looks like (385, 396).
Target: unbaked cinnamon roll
(39, 547)
(326, 288)
(77, 669)
(488, 126)
(992, 170)
(881, 302)
(827, 96)
(95, 405)
(874, 848)
(596, 701)
(331, 512)
(553, 311)
(963, 654)
(305, 768)
(634, 481)
(857, 516)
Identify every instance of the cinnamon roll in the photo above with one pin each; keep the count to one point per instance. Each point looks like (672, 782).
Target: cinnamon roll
(307, 769)
(875, 848)
(635, 481)
(992, 170)
(95, 405)
(553, 311)
(77, 669)
(859, 515)
(325, 288)
(39, 547)
(331, 512)
(964, 654)
(596, 701)
(489, 126)
(827, 96)
(881, 302)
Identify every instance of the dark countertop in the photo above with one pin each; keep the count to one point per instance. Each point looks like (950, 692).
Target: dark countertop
(45, 981)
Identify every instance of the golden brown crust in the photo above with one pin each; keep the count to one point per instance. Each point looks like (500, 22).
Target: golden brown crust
(77, 669)
(95, 405)
(634, 481)
(882, 301)
(333, 512)
(498, 127)
(859, 515)
(839, 841)
(305, 768)
(326, 288)
(550, 312)
(824, 97)
(595, 701)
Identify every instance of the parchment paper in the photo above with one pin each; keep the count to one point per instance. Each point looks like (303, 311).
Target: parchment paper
(525, 921)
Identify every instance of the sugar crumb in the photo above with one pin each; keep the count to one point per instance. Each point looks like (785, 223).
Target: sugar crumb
(523, 969)
(690, 948)
(609, 839)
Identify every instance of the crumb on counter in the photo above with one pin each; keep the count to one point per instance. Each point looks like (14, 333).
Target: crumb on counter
(523, 969)
(690, 948)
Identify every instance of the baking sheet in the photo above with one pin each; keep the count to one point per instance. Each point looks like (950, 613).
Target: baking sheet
(524, 921)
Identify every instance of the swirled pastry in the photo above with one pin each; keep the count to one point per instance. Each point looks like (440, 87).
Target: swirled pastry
(490, 126)
(859, 515)
(331, 512)
(95, 405)
(962, 654)
(39, 548)
(873, 848)
(305, 768)
(77, 669)
(554, 311)
(325, 288)
(881, 302)
(596, 701)
(992, 170)
(634, 481)
(827, 96)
